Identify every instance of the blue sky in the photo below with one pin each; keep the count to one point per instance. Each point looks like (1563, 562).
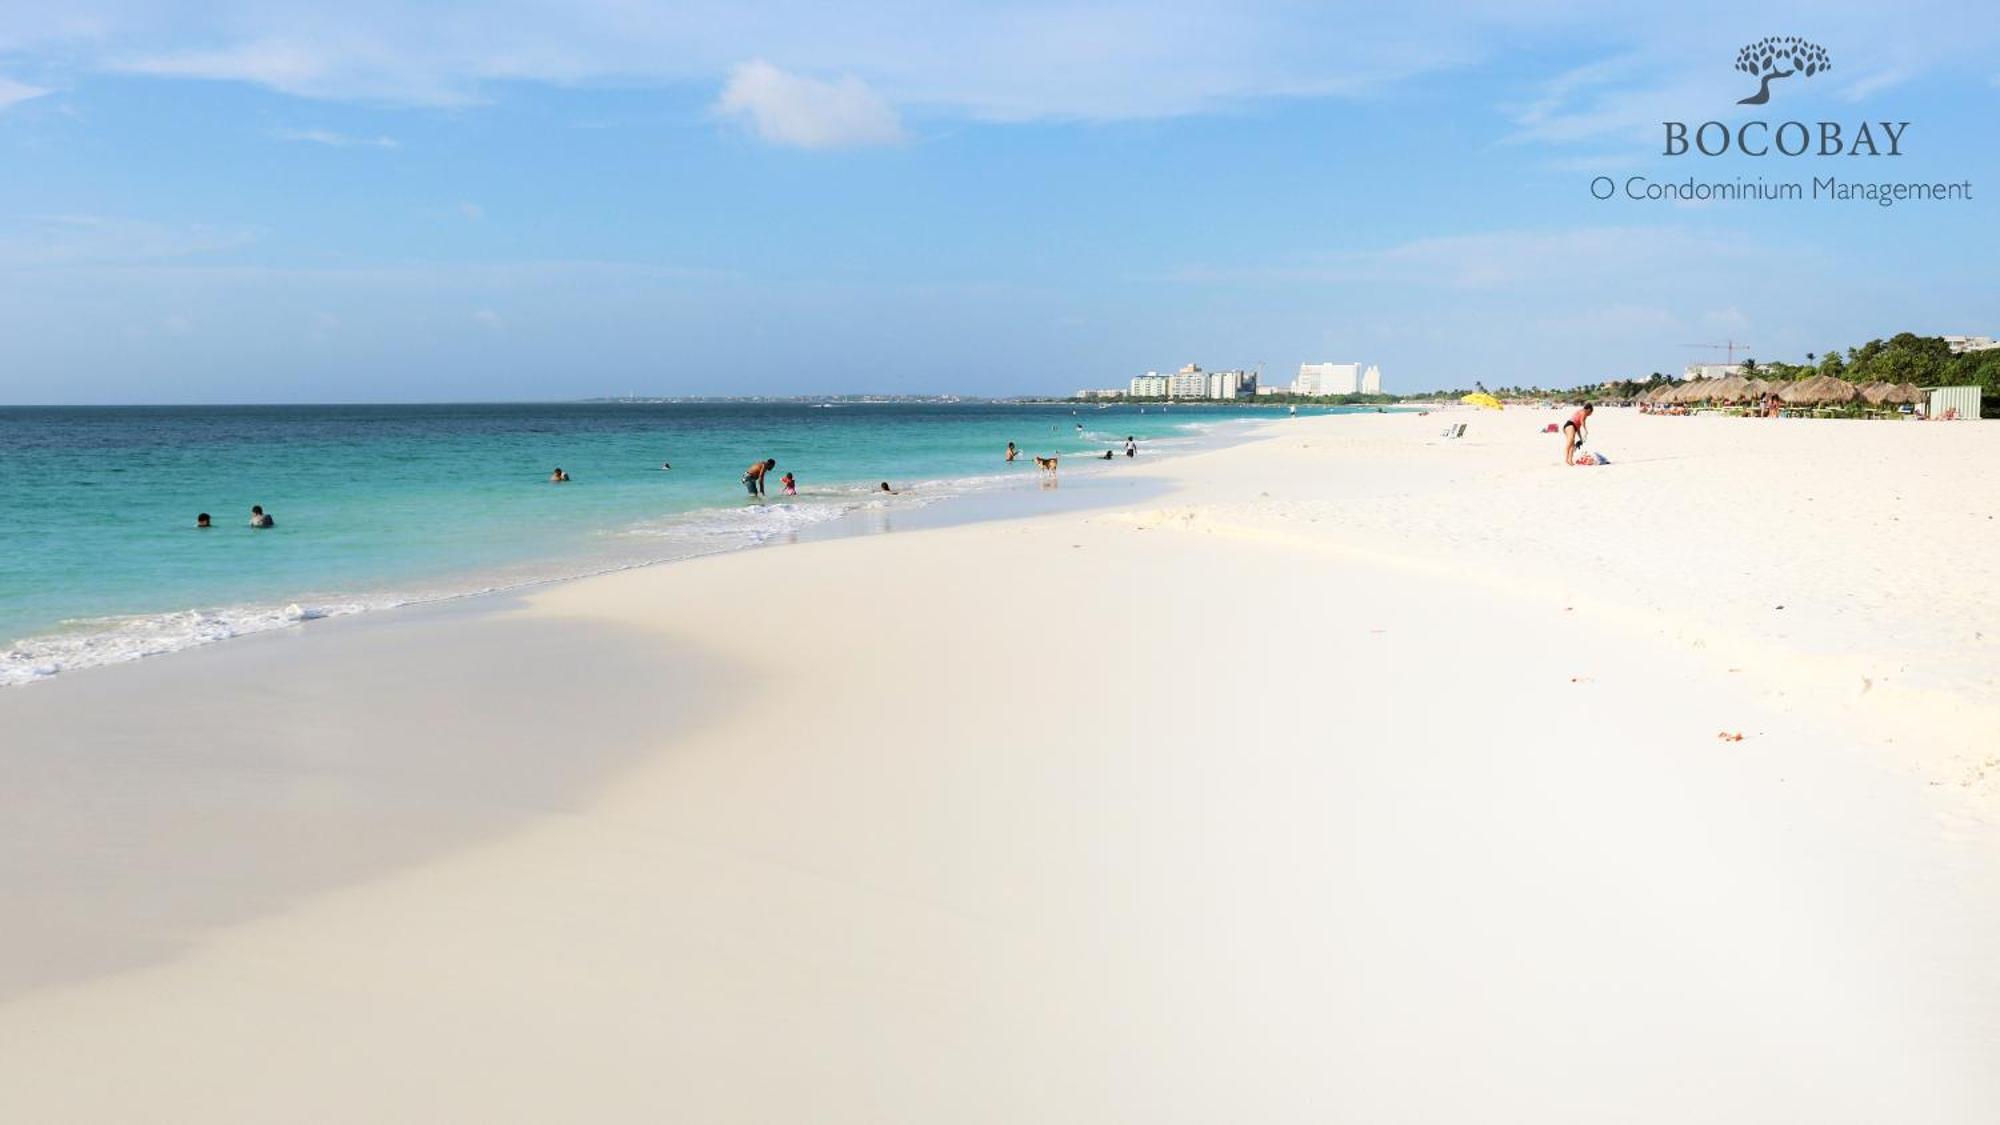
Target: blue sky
(376, 201)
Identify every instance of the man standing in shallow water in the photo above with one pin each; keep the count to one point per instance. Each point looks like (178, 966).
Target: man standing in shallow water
(753, 477)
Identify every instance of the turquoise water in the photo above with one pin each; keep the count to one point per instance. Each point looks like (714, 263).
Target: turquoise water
(384, 505)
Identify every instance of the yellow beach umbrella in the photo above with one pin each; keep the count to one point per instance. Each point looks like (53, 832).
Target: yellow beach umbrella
(1481, 399)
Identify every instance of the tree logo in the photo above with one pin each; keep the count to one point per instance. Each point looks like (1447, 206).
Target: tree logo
(1768, 60)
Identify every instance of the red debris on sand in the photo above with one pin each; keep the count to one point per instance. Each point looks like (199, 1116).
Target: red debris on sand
(1728, 737)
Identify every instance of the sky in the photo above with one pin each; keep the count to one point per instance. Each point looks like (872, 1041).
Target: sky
(280, 201)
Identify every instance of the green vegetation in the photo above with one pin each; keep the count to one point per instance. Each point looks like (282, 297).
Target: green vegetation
(1905, 357)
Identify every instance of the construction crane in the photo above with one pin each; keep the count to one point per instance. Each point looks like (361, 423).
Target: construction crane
(1728, 347)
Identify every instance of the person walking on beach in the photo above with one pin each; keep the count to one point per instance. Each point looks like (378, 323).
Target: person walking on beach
(259, 518)
(1131, 447)
(1012, 452)
(1574, 431)
(753, 477)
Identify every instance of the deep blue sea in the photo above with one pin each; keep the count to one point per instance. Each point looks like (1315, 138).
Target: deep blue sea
(378, 506)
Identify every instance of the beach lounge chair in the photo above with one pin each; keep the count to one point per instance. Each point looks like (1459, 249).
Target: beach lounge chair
(1457, 431)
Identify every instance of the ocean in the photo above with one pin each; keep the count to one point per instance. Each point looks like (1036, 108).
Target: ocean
(378, 506)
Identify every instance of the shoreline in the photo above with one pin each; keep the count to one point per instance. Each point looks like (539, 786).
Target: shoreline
(1236, 799)
(40, 657)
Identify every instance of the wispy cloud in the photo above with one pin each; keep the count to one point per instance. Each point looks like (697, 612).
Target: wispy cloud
(1617, 98)
(72, 240)
(1499, 259)
(791, 109)
(274, 63)
(334, 67)
(1682, 70)
(1094, 60)
(14, 93)
(1874, 82)
(413, 277)
(334, 140)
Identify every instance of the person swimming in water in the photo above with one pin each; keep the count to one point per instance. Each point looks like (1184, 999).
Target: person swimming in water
(201, 521)
(260, 518)
(791, 485)
(558, 476)
(1012, 452)
(885, 488)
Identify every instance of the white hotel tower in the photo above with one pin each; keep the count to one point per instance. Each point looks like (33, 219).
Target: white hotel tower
(1337, 379)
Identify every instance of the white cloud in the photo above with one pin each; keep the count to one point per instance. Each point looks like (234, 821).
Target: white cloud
(472, 211)
(13, 93)
(789, 109)
(332, 139)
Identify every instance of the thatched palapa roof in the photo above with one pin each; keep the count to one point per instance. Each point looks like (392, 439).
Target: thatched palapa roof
(1819, 390)
(1698, 390)
(1730, 388)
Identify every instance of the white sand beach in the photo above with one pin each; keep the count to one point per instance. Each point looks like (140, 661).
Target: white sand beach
(1361, 775)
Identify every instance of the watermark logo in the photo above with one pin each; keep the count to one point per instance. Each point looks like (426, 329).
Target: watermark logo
(1773, 143)
(1768, 60)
